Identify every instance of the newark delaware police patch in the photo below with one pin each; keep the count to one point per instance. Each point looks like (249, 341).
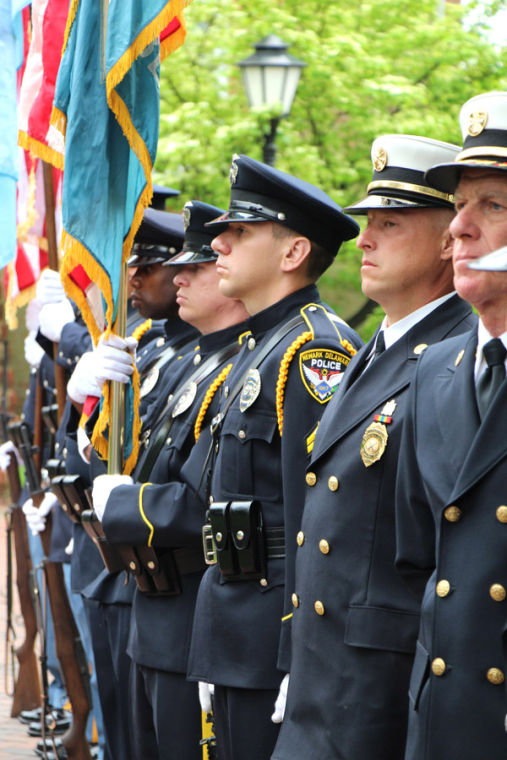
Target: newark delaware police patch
(321, 370)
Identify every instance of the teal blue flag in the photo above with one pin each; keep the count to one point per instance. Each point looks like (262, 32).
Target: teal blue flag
(107, 107)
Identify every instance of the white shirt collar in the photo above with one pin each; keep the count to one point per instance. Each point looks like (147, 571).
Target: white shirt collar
(395, 331)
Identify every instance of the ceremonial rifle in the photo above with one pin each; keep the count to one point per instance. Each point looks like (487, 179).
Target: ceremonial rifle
(69, 649)
(26, 694)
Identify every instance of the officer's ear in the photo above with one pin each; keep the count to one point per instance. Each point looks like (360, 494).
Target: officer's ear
(296, 253)
(446, 246)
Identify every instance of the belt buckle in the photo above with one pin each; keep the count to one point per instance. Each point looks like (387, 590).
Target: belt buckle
(208, 545)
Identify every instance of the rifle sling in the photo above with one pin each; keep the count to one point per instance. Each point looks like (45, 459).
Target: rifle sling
(200, 374)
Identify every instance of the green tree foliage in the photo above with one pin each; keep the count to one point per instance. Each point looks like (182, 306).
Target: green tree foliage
(373, 67)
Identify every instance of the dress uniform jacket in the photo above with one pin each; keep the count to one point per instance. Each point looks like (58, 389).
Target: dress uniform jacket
(167, 513)
(452, 523)
(355, 622)
(237, 629)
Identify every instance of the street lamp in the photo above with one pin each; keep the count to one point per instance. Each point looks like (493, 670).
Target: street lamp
(270, 77)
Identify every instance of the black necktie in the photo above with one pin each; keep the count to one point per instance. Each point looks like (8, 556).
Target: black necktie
(493, 376)
(380, 345)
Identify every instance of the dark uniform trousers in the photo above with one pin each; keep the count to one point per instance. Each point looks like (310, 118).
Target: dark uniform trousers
(452, 528)
(108, 597)
(355, 621)
(238, 639)
(168, 514)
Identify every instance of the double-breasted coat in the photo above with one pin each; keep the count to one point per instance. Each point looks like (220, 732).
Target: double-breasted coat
(452, 526)
(355, 622)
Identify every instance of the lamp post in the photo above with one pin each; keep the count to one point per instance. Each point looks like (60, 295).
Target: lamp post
(270, 77)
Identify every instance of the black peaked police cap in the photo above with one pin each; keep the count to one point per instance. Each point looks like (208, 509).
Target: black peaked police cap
(260, 193)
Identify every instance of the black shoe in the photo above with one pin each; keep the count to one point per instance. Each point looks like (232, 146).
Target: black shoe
(57, 721)
(29, 716)
(50, 744)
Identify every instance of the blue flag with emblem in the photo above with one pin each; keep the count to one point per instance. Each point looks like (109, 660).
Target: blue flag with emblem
(107, 107)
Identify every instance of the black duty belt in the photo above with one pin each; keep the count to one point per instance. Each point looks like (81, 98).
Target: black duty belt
(236, 539)
(158, 572)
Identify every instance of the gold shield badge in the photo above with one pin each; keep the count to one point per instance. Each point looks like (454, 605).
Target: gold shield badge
(477, 122)
(379, 159)
(374, 443)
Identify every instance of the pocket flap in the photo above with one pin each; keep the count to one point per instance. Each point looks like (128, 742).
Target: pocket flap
(382, 628)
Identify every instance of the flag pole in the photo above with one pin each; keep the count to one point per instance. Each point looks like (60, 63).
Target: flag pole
(116, 438)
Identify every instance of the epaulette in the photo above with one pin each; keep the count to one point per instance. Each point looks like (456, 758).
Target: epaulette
(318, 320)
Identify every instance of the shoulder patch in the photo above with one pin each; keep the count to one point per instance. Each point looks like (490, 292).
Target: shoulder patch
(321, 370)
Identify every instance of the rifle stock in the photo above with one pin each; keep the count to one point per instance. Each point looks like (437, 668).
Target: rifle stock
(68, 645)
(27, 692)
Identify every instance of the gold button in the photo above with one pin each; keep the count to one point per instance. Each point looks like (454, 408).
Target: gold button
(251, 343)
(495, 675)
(263, 582)
(241, 434)
(333, 483)
(240, 534)
(452, 514)
(319, 608)
(324, 546)
(420, 348)
(197, 359)
(501, 513)
(132, 565)
(295, 600)
(497, 592)
(160, 342)
(151, 565)
(443, 588)
(300, 538)
(311, 478)
(438, 666)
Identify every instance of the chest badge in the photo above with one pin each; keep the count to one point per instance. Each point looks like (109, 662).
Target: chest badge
(186, 399)
(375, 436)
(251, 389)
(321, 371)
(149, 382)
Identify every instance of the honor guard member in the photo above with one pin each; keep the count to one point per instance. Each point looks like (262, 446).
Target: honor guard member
(354, 624)
(279, 234)
(165, 715)
(452, 484)
(107, 598)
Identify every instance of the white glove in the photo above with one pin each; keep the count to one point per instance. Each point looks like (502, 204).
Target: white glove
(83, 445)
(112, 360)
(82, 382)
(36, 518)
(102, 487)
(53, 317)
(32, 314)
(70, 547)
(33, 352)
(206, 691)
(281, 700)
(5, 452)
(49, 287)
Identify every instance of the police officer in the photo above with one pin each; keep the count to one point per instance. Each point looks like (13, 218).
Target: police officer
(354, 622)
(106, 596)
(451, 492)
(279, 234)
(165, 715)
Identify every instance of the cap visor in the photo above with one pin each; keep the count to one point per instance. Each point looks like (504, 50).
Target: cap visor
(379, 201)
(190, 257)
